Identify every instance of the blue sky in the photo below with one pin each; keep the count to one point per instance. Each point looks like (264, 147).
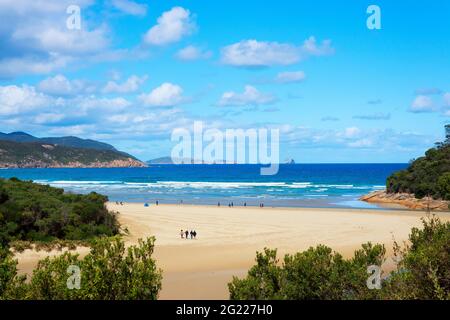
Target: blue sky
(137, 70)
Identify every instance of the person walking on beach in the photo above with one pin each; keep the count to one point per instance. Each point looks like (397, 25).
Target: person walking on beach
(232, 204)
(192, 234)
(187, 234)
(182, 234)
(218, 204)
(195, 234)
(245, 204)
(157, 202)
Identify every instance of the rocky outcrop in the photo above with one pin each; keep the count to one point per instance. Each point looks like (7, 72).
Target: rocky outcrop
(406, 200)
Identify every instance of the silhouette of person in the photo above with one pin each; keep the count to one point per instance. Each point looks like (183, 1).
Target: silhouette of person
(245, 204)
(182, 234)
(187, 234)
(157, 202)
(195, 234)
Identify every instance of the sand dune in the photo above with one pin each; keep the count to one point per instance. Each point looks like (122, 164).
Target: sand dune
(228, 239)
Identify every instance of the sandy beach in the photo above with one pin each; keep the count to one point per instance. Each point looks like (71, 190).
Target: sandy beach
(228, 239)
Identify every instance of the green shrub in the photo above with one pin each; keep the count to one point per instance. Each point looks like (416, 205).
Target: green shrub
(424, 270)
(11, 285)
(109, 272)
(317, 273)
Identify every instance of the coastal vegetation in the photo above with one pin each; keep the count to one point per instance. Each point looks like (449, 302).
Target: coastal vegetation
(423, 271)
(41, 213)
(426, 176)
(109, 272)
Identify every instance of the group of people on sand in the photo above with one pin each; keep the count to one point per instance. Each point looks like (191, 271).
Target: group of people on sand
(231, 204)
(186, 234)
(119, 203)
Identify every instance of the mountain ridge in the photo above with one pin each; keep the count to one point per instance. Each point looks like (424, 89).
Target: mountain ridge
(22, 150)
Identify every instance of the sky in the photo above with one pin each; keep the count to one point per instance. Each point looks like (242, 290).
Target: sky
(136, 70)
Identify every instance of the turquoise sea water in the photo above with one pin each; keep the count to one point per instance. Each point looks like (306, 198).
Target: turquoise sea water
(298, 185)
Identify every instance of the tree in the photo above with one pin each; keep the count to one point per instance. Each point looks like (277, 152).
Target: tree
(447, 134)
(444, 186)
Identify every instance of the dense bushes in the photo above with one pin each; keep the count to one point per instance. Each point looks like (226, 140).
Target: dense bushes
(109, 272)
(320, 273)
(424, 270)
(429, 175)
(34, 212)
(317, 273)
(11, 285)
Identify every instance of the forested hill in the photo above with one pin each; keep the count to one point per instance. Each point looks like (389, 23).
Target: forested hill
(40, 155)
(69, 141)
(428, 175)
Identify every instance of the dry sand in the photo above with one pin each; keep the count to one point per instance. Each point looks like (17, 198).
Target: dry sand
(228, 239)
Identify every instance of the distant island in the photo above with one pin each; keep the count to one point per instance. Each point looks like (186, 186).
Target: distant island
(169, 160)
(22, 150)
(424, 184)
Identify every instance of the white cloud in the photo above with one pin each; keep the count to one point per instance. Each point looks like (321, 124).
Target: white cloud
(132, 84)
(428, 91)
(193, 53)
(351, 132)
(288, 77)
(253, 53)
(422, 104)
(94, 103)
(51, 38)
(130, 7)
(250, 96)
(166, 95)
(329, 118)
(362, 143)
(60, 85)
(172, 26)
(375, 116)
(10, 67)
(310, 47)
(75, 130)
(48, 118)
(447, 99)
(16, 100)
(35, 39)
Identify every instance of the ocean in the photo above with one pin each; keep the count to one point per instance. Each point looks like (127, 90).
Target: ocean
(295, 185)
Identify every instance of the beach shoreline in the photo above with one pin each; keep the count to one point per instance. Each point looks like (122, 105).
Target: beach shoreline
(228, 239)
